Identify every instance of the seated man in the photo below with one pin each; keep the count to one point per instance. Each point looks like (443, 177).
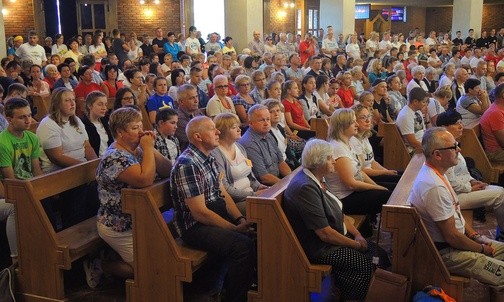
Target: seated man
(492, 127)
(463, 250)
(262, 149)
(19, 158)
(473, 104)
(411, 121)
(471, 193)
(206, 217)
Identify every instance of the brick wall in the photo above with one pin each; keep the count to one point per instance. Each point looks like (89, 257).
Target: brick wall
(132, 17)
(19, 19)
(440, 18)
(277, 18)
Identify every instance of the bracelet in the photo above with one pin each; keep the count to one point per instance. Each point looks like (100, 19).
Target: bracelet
(474, 236)
(237, 220)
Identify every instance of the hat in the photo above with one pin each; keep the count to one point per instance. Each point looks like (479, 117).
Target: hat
(18, 38)
(378, 81)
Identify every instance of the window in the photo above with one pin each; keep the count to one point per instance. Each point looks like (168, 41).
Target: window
(313, 21)
(209, 17)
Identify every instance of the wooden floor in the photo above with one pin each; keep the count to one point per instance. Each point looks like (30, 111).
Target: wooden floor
(113, 290)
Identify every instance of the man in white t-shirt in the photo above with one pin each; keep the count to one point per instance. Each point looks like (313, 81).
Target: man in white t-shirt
(431, 41)
(385, 45)
(411, 121)
(31, 51)
(330, 45)
(462, 249)
(192, 44)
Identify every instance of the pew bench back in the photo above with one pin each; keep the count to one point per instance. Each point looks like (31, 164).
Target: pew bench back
(472, 147)
(161, 261)
(284, 271)
(43, 252)
(395, 153)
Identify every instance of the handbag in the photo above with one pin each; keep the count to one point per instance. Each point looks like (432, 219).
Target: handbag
(7, 284)
(387, 286)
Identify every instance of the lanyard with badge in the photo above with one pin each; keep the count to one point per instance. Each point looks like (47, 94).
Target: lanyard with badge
(448, 186)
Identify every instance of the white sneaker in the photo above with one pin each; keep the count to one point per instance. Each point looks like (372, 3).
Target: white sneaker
(93, 271)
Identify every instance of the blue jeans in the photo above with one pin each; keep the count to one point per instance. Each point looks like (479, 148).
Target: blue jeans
(236, 249)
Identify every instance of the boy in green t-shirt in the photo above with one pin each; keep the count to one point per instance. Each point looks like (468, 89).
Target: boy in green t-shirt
(19, 158)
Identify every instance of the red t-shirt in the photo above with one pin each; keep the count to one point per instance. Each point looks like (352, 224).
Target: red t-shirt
(347, 98)
(304, 54)
(113, 88)
(296, 112)
(492, 120)
(81, 91)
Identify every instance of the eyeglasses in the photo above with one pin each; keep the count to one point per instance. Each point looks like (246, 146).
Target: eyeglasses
(222, 86)
(128, 98)
(364, 117)
(454, 147)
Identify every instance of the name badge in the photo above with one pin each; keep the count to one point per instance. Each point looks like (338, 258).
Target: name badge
(249, 162)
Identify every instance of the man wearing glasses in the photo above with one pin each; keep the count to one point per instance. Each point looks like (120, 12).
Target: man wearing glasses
(462, 249)
(411, 121)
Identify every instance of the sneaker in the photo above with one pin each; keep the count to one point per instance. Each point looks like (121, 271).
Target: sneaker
(93, 271)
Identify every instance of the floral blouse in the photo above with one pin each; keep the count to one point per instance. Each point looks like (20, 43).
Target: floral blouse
(113, 163)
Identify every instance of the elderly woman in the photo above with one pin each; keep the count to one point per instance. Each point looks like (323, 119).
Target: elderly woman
(471, 193)
(232, 161)
(96, 122)
(418, 73)
(130, 162)
(325, 233)
(358, 192)
(220, 102)
(243, 101)
(51, 75)
(362, 147)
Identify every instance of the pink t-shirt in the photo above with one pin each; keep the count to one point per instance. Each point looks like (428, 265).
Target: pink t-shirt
(492, 120)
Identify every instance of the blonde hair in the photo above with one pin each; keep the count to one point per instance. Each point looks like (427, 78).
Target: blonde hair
(121, 117)
(444, 92)
(357, 109)
(224, 122)
(55, 110)
(340, 120)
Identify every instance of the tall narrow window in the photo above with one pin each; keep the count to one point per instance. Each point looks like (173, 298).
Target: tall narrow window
(209, 17)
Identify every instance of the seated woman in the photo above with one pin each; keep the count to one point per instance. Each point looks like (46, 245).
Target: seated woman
(65, 79)
(439, 103)
(110, 86)
(166, 142)
(124, 97)
(362, 147)
(137, 85)
(359, 193)
(289, 143)
(130, 162)
(37, 86)
(325, 104)
(307, 99)
(232, 161)
(243, 101)
(62, 134)
(177, 77)
(294, 116)
(96, 122)
(325, 233)
(377, 71)
(471, 193)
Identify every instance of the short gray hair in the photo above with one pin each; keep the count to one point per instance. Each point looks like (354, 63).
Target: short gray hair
(418, 68)
(431, 140)
(255, 108)
(315, 154)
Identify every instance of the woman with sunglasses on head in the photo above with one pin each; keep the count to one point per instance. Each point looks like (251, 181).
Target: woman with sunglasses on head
(362, 147)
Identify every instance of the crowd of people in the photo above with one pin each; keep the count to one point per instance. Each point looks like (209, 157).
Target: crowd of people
(229, 124)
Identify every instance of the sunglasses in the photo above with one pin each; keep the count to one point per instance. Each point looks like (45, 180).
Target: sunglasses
(454, 147)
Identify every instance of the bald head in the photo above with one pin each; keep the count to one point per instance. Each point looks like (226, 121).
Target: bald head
(196, 125)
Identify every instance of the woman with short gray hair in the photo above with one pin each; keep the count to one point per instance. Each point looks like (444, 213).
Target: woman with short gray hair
(325, 233)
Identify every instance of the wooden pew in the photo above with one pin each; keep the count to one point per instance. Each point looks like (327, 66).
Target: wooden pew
(161, 261)
(320, 126)
(284, 271)
(42, 106)
(395, 153)
(43, 253)
(145, 119)
(471, 147)
(415, 255)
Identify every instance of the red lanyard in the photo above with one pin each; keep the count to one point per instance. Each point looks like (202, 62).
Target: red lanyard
(448, 186)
